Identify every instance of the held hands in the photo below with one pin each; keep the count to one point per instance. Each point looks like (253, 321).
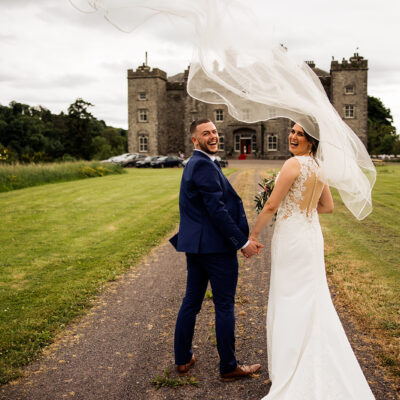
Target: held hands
(252, 248)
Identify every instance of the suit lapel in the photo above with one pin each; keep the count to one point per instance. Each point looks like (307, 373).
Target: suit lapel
(224, 178)
(230, 187)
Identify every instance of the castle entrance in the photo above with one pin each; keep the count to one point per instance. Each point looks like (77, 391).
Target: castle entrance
(245, 142)
(245, 145)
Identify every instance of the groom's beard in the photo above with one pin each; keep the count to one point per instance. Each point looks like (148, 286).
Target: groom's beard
(206, 149)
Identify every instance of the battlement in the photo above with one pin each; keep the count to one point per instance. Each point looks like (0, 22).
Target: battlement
(175, 85)
(354, 63)
(144, 71)
(186, 74)
(311, 64)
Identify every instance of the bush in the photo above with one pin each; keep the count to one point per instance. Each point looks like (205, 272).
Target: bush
(25, 175)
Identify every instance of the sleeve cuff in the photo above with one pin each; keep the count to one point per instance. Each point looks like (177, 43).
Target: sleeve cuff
(245, 245)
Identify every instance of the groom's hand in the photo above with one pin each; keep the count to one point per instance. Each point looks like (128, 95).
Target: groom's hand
(252, 248)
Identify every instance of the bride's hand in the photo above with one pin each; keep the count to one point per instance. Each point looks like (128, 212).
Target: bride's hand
(254, 238)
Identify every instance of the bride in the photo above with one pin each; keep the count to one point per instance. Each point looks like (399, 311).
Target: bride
(309, 356)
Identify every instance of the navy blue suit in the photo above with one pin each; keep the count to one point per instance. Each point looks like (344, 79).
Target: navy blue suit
(213, 226)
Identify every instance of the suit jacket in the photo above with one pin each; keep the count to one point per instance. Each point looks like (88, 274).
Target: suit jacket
(212, 218)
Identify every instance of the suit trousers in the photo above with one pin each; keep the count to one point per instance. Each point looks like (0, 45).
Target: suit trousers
(221, 269)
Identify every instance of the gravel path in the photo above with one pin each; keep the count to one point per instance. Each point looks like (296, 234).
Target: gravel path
(126, 339)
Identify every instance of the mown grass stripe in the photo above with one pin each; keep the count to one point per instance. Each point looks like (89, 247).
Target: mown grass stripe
(61, 242)
(362, 260)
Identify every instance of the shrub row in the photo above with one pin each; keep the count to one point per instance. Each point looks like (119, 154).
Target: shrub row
(20, 176)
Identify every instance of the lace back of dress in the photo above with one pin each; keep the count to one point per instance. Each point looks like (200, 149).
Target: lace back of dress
(302, 198)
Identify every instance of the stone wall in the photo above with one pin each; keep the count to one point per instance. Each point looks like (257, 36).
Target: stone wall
(153, 84)
(279, 127)
(352, 73)
(171, 111)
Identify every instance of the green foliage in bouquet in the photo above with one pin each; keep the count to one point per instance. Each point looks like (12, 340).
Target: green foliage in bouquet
(267, 184)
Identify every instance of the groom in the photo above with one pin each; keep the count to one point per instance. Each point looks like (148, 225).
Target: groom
(213, 227)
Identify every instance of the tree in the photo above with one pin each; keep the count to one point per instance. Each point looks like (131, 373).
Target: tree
(117, 139)
(382, 135)
(80, 136)
(102, 149)
(34, 134)
(396, 147)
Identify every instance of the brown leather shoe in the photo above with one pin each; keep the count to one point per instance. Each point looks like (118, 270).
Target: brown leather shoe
(184, 369)
(240, 372)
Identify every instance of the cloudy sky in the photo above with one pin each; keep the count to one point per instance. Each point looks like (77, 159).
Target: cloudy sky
(51, 54)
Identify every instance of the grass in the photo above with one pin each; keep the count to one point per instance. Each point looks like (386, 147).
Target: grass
(362, 260)
(166, 381)
(26, 175)
(61, 242)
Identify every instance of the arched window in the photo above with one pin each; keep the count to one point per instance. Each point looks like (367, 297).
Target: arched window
(143, 144)
(272, 142)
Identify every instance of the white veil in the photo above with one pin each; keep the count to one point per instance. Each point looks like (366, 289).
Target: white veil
(236, 64)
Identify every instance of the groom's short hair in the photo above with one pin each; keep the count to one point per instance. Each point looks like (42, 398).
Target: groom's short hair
(196, 123)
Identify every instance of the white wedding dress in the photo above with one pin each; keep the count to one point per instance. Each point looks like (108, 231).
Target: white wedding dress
(309, 356)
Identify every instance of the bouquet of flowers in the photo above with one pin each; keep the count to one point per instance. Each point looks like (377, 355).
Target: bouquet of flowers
(267, 185)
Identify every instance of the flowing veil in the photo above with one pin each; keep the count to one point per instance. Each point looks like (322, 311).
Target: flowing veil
(236, 63)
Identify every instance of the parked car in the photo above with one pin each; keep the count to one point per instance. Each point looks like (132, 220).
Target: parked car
(120, 158)
(167, 161)
(145, 163)
(132, 160)
(222, 161)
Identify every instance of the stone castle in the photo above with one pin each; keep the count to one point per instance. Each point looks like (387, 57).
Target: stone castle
(160, 112)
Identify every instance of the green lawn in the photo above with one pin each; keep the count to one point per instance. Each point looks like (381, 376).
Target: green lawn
(60, 242)
(363, 263)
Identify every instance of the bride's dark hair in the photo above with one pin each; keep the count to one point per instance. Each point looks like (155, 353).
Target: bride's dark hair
(314, 142)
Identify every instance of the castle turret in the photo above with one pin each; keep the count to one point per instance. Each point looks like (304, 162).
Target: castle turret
(349, 93)
(146, 98)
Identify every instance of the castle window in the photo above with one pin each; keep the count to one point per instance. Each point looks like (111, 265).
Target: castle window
(237, 143)
(143, 144)
(143, 115)
(246, 114)
(349, 89)
(272, 142)
(219, 115)
(254, 143)
(142, 96)
(221, 144)
(349, 111)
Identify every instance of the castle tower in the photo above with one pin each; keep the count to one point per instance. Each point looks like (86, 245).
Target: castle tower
(146, 99)
(349, 93)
